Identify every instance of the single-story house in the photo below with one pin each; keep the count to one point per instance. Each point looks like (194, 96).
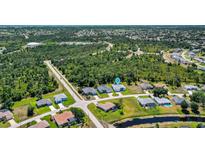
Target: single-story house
(43, 102)
(107, 106)
(118, 87)
(41, 124)
(178, 100)
(146, 102)
(6, 115)
(192, 54)
(60, 98)
(64, 119)
(104, 89)
(190, 87)
(146, 86)
(162, 101)
(89, 91)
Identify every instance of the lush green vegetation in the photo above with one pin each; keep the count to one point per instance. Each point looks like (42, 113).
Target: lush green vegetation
(28, 124)
(50, 121)
(4, 124)
(82, 119)
(23, 75)
(130, 108)
(20, 108)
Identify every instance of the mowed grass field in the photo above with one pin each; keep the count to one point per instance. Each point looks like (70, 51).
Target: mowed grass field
(4, 124)
(20, 108)
(130, 108)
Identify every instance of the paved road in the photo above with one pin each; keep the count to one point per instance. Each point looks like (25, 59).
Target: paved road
(79, 101)
(62, 80)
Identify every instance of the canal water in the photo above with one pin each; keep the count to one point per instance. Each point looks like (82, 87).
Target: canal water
(138, 121)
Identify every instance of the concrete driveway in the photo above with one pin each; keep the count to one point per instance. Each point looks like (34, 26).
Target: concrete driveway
(12, 122)
(96, 97)
(61, 105)
(52, 108)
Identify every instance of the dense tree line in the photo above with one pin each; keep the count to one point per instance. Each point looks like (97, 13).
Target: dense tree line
(22, 75)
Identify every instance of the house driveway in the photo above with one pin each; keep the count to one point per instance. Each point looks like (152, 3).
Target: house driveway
(119, 93)
(110, 94)
(12, 122)
(96, 97)
(52, 108)
(61, 105)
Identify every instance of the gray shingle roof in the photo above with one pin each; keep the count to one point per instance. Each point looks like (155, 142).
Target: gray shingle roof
(104, 89)
(43, 102)
(190, 87)
(162, 101)
(89, 91)
(146, 101)
(118, 87)
(178, 100)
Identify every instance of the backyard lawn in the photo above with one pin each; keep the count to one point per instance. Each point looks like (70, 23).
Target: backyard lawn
(50, 121)
(20, 108)
(130, 108)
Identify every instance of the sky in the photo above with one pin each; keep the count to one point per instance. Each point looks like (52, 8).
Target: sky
(101, 12)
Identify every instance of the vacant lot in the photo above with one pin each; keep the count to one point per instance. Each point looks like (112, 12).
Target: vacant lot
(20, 108)
(132, 89)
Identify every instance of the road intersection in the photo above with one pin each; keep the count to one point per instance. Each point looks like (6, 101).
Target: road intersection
(80, 102)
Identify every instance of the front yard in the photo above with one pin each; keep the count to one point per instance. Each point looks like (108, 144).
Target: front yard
(20, 108)
(130, 108)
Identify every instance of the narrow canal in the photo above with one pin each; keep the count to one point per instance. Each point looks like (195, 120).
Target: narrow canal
(149, 120)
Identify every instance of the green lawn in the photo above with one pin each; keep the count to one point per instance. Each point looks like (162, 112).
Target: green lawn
(70, 99)
(180, 124)
(87, 122)
(4, 124)
(131, 108)
(50, 121)
(28, 124)
(132, 89)
(115, 94)
(20, 108)
(103, 95)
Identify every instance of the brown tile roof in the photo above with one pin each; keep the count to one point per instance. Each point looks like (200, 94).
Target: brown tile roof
(107, 106)
(42, 124)
(63, 118)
